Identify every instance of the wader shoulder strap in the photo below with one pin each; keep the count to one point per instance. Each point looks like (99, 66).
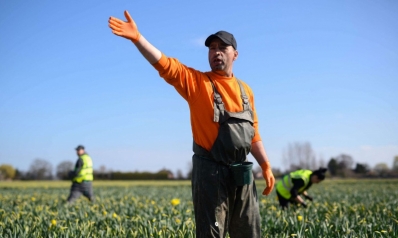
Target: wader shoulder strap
(245, 99)
(218, 104)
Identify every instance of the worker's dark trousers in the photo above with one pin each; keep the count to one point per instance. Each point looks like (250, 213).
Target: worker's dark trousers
(283, 202)
(219, 205)
(78, 189)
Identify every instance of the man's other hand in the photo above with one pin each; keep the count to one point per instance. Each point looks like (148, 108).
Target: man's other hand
(268, 176)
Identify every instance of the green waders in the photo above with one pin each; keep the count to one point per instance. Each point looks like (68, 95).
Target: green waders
(220, 206)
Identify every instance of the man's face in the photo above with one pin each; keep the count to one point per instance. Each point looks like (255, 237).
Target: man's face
(80, 152)
(221, 57)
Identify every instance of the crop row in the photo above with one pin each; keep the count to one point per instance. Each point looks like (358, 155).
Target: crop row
(340, 209)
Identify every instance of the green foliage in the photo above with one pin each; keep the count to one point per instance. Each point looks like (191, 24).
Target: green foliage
(341, 208)
(7, 171)
(361, 168)
(333, 166)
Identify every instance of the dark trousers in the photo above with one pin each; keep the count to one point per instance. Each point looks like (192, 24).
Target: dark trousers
(78, 189)
(219, 205)
(283, 202)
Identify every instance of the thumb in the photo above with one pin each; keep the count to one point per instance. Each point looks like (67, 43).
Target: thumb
(128, 17)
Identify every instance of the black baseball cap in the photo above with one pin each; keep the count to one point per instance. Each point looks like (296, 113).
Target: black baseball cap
(80, 147)
(226, 37)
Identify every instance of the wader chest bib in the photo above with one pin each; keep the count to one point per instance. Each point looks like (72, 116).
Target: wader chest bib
(235, 134)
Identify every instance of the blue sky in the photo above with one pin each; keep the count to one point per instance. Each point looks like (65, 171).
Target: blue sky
(325, 72)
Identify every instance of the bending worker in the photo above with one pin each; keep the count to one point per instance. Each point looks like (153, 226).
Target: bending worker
(297, 183)
(82, 176)
(224, 127)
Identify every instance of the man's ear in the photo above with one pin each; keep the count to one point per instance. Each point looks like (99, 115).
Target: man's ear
(235, 55)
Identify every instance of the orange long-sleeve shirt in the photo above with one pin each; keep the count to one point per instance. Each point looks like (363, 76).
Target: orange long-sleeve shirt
(194, 86)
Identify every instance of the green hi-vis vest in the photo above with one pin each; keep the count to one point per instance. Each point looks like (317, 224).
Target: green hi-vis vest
(86, 173)
(285, 185)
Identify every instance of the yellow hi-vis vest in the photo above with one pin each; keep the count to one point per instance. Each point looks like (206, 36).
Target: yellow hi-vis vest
(285, 185)
(86, 173)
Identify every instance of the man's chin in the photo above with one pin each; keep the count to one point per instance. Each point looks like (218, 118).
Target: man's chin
(217, 68)
(219, 72)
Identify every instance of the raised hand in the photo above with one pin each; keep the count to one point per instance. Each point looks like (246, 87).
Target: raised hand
(124, 29)
(268, 176)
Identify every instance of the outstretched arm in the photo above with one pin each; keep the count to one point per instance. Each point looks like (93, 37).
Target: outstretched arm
(128, 29)
(260, 155)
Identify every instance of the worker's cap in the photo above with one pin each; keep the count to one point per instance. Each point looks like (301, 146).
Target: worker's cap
(80, 147)
(226, 37)
(320, 173)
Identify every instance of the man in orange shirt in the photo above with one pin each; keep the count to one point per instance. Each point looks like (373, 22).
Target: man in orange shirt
(224, 127)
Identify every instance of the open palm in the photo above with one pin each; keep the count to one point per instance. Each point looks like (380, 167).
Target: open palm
(124, 29)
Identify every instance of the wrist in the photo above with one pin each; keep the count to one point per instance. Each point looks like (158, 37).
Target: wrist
(265, 165)
(137, 38)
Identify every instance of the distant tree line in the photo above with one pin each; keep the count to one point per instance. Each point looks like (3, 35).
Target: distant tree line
(296, 156)
(300, 155)
(344, 165)
(43, 170)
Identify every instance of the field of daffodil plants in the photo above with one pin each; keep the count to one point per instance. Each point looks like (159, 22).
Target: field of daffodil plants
(341, 208)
